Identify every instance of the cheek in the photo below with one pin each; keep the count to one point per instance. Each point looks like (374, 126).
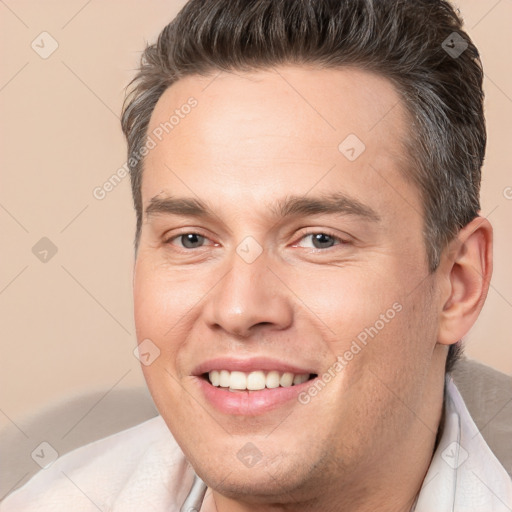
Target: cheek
(373, 327)
(160, 317)
(350, 303)
(163, 302)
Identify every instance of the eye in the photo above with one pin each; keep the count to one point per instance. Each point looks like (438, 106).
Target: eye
(322, 240)
(188, 240)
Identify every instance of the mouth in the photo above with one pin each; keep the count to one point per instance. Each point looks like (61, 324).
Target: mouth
(252, 387)
(258, 380)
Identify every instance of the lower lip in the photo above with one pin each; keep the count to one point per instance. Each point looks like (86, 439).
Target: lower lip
(250, 403)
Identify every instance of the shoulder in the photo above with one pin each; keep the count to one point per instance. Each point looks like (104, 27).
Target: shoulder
(464, 474)
(128, 466)
(487, 394)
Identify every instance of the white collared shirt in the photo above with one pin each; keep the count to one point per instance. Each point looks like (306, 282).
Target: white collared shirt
(464, 474)
(143, 468)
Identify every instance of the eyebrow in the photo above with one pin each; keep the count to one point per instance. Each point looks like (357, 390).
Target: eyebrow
(290, 206)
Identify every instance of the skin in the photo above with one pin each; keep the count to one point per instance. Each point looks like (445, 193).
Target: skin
(366, 440)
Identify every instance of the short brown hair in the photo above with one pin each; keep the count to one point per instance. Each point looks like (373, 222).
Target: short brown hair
(418, 45)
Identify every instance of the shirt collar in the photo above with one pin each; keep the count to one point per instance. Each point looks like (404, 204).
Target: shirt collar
(464, 474)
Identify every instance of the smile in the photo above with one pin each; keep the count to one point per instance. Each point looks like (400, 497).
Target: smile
(256, 380)
(251, 387)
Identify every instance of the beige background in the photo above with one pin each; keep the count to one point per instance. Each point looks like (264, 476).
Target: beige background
(67, 323)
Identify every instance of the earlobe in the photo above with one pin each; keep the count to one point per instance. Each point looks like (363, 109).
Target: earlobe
(467, 266)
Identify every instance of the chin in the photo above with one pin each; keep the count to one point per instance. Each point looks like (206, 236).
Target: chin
(253, 486)
(272, 479)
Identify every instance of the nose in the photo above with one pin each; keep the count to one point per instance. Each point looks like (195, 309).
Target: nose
(248, 298)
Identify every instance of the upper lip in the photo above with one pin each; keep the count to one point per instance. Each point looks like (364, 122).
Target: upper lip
(265, 364)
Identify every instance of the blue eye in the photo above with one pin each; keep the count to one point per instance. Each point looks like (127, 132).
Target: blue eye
(190, 240)
(323, 240)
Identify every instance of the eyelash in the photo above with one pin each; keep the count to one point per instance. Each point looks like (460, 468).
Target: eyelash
(336, 238)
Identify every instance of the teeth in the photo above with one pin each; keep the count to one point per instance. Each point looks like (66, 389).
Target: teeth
(272, 380)
(286, 380)
(299, 379)
(256, 380)
(224, 379)
(238, 380)
(253, 381)
(215, 378)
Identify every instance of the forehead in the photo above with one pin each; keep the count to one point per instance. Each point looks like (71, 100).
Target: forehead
(275, 130)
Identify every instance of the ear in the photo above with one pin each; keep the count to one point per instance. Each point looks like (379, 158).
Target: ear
(466, 268)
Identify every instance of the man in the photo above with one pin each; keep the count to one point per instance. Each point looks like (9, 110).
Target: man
(309, 253)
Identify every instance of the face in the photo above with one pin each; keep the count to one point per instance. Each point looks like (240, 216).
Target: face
(281, 243)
